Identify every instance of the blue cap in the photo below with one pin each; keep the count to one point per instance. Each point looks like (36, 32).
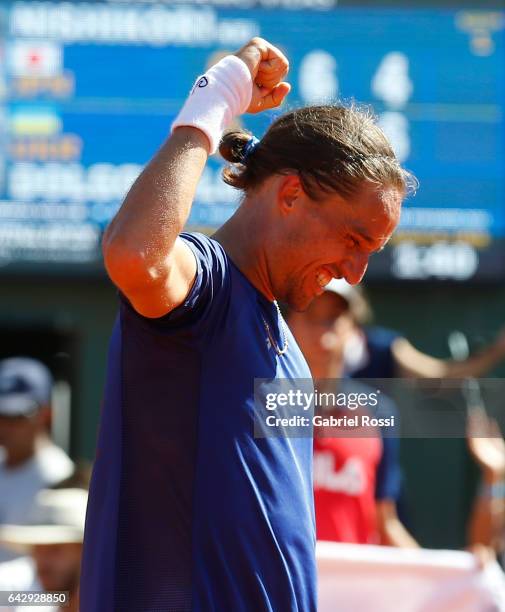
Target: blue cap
(25, 386)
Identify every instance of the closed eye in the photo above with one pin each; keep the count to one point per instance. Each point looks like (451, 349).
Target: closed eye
(365, 243)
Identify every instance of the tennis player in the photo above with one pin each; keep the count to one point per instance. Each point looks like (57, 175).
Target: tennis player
(188, 511)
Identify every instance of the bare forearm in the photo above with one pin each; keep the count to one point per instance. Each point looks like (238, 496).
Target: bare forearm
(143, 256)
(477, 364)
(413, 363)
(393, 533)
(391, 530)
(487, 523)
(159, 202)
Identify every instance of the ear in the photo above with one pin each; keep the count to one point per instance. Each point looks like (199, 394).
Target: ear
(290, 190)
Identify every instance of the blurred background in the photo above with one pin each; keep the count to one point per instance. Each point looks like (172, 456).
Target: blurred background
(88, 91)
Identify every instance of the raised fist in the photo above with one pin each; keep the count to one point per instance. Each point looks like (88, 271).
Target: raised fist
(268, 66)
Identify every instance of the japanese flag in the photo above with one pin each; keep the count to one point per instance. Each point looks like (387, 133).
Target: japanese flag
(38, 58)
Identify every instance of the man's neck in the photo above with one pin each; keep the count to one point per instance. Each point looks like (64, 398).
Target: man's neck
(19, 457)
(239, 238)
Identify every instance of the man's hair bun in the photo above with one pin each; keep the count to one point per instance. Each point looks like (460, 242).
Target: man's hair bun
(232, 146)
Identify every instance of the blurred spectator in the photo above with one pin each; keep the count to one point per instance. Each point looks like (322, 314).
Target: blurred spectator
(52, 537)
(357, 480)
(29, 461)
(487, 447)
(357, 483)
(376, 352)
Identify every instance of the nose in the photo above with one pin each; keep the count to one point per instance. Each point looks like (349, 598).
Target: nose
(353, 269)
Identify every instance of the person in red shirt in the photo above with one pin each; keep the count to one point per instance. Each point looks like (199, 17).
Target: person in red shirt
(357, 477)
(344, 489)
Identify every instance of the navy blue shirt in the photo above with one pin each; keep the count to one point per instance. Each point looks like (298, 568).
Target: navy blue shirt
(187, 510)
(389, 474)
(380, 363)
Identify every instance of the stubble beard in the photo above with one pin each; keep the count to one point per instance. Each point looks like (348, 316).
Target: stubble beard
(295, 297)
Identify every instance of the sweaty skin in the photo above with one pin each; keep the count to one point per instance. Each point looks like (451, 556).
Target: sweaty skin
(287, 245)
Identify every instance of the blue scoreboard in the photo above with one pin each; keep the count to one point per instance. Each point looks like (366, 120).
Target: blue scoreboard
(88, 92)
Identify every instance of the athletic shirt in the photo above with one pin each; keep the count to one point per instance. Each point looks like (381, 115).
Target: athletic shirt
(380, 363)
(344, 489)
(350, 475)
(187, 510)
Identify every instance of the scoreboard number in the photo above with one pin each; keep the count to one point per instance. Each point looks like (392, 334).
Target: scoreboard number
(443, 260)
(391, 82)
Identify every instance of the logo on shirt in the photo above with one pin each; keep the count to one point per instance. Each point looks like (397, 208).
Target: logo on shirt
(350, 478)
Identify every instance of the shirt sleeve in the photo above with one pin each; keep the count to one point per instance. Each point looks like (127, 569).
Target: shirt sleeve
(389, 474)
(381, 362)
(388, 484)
(207, 298)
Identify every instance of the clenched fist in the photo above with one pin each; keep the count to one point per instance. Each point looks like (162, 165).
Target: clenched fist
(268, 67)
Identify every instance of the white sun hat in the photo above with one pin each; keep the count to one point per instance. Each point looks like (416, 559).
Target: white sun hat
(341, 287)
(355, 298)
(56, 517)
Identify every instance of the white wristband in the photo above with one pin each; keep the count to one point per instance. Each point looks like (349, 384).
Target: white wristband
(218, 96)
